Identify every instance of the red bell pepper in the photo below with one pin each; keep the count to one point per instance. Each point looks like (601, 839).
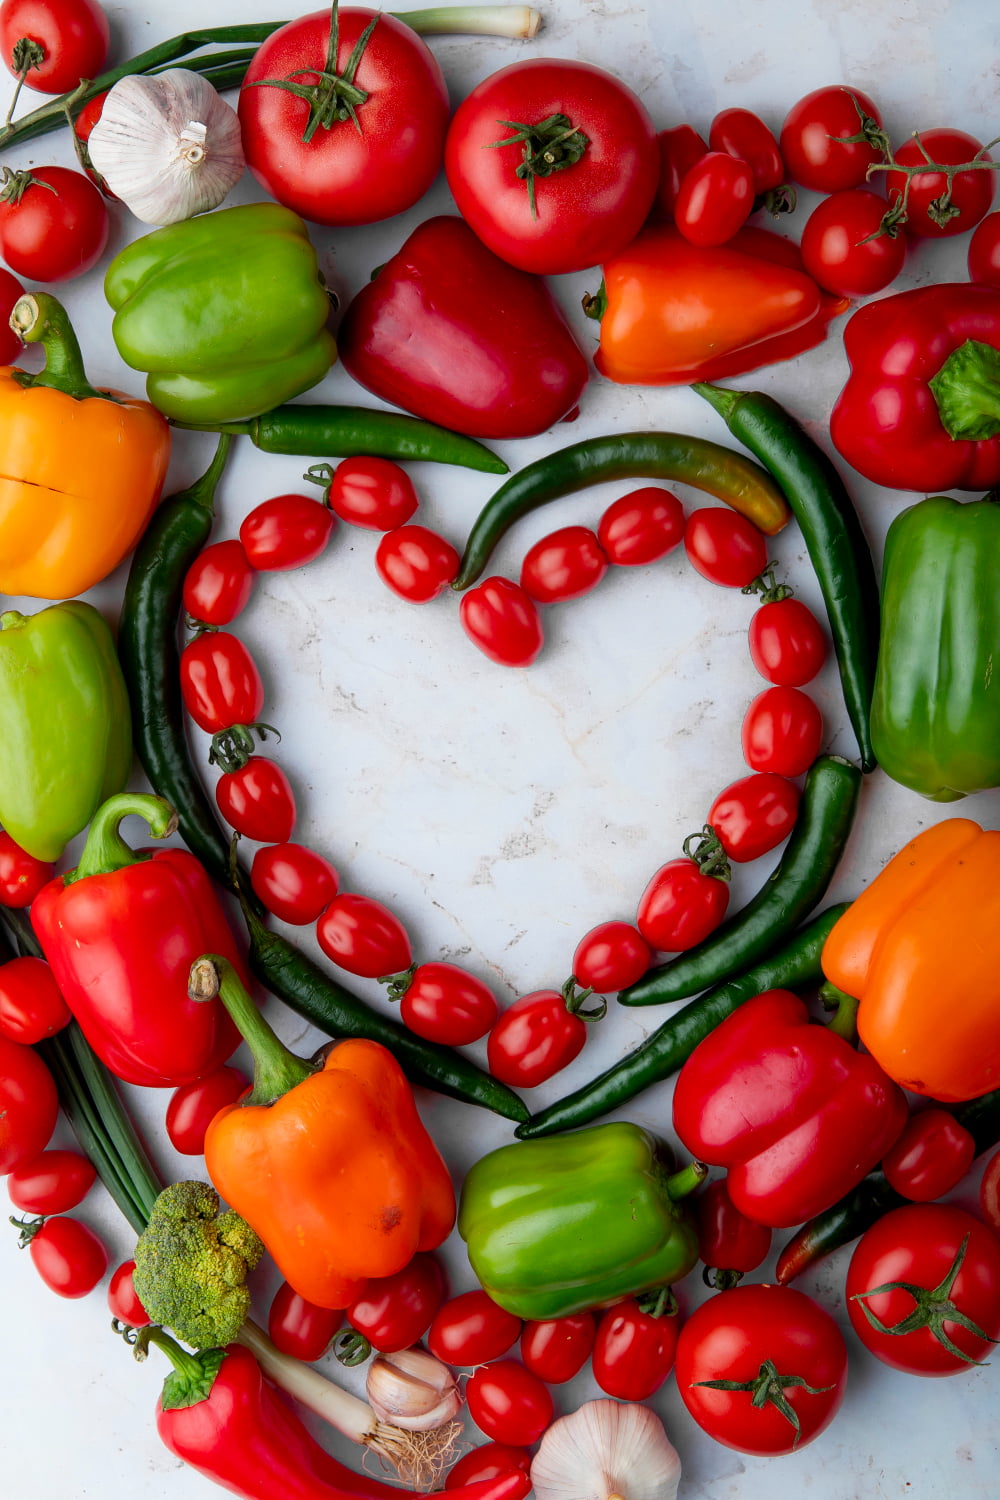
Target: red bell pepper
(921, 407)
(452, 333)
(789, 1107)
(121, 932)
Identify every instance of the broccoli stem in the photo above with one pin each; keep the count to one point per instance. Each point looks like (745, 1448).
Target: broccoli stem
(276, 1070)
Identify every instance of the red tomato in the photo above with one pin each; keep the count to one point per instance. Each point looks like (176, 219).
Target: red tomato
(934, 207)
(363, 936)
(488, 1461)
(782, 731)
(294, 882)
(70, 37)
(534, 1038)
(729, 1243)
(563, 565)
(984, 251)
(416, 563)
(509, 1403)
(393, 1312)
(51, 1182)
(257, 800)
(53, 224)
(844, 248)
(220, 683)
(29, 1105)
(950, 1262)
(123, 1300)
(556, 1349)
(610, 957)
(194, 1106)
(744, 135)
(83, 129)
(67, 1255)
(679, 147)
(724, 546)
(218, 584)
(762, 1337)
(931, 1156)
(10, 290)
(681, 905)
(634, 1349)
(754, 815)
(285, 532)
(641, 527)
(787, 645)
(31, 1003)
(21, 874)
(372, 162)
(444, 1003)
(829, 139)
(299, 1328)
(503, 621)
(372, 492)
(471, 1330)
(715, 199)
(570, 214)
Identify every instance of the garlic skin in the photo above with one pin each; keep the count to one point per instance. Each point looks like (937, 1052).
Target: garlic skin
(607, 1450)
(167, 145)
(413, 1390)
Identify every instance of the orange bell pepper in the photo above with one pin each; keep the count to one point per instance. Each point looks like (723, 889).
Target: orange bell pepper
(331, 1166)
(80, 469)
(920, 950)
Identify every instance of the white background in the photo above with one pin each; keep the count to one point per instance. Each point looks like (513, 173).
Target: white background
(504, 813)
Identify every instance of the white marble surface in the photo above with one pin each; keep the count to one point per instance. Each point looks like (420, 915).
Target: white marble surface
(504, 813)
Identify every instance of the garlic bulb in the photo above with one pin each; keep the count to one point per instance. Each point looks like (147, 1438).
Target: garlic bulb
(168, 145)
(608, 1450)
(413, 1390)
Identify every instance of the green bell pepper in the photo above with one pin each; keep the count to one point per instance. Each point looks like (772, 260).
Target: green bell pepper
(65, 724)
(935, 717)
(559, 1225)
(226, 312)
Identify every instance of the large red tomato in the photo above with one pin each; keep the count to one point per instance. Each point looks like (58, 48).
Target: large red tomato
(378, 143)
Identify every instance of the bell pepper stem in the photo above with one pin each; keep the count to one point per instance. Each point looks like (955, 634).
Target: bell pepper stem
(845, 1007)
(105, 850)
(276, 1070)
(38, 318)
(967, 392)
(681, 1183)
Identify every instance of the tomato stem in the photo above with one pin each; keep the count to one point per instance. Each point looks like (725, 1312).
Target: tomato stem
(334, 97)
(550, 146)
(933, 1309)
(768, 1388)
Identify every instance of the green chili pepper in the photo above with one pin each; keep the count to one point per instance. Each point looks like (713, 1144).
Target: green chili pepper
(837, 546)
(797, 883)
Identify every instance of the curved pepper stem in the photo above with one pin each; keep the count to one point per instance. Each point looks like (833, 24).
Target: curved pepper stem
(105, 850)
(276, 1070)
(845, 1007)
(38, 318)
(681, 1183)
(193, 1375)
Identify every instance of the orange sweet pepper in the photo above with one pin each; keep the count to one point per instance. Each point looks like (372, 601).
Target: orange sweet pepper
(920, 950)
(80, 469)
(332, 1166)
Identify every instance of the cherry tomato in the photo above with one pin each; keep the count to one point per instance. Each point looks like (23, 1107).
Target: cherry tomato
(53, 224)
(299, 1328)
(372, 492)
(472, 1329)
(218, 584)
(258, 801)
(534, 1039)
(563, 565)
(681, 905)
(924, 1245)
(29, 1105)
(363, 936)
(31, 1003)
(220, 683)
(724, 546)
(10, 290)
(680, 147)
(715, 199)
(285, 532)
(359, 170)
(21, 874)
(503, 621)
(744, 135)
(610, 957)
(67, 1255)
(488, 1461)
(934, 209)
(71, 39)
(51, 1182)
(509, 1403)
(294, 882)
(416, 563)
(737, 1336)
(754, 815)
(123, 1300)
(194, 1106)
(844, 248)
(931, 1156)
(83, 129)
(394, 1312)
(641, 527)
(984, 251)
(787, 644)
(819, 140)
(634, 1349)
(989, 1192)
(556, 1349)
(444, 1003)
(782, 731)
(729, 1243)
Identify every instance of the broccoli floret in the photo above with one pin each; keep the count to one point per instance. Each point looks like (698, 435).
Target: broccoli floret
(191, 1264)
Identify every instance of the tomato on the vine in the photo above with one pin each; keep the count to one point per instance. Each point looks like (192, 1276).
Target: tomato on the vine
(294, 882)
(363, 936)
(635, 1346)
(610, 957)
(742, 134)
(502, 619)
(31, 1003)
(556, 1349)
(845, 247)
(931, 1156)
(66, 1253)
(54, 43)
(444, 1003)
(29, 1105)
(509, 1403)
(488, 1461)
(754, 815)
(218, 584)
(563, 565)
(394, 1312)
(193, 1107)
(782, 731)
(536, 1037)
(51, 1182)
(472, 1329)
(830, 138)
(372, 492)
(285, 532)
(641, 527)
(257, 800)
(984, 251)
(53, 224)
(787, 644)
(298, 1327)
(715, 199)
(937, 206)
(220, 683)
(724, 546)
(681, 905)
(123, 1299)
(416, 563)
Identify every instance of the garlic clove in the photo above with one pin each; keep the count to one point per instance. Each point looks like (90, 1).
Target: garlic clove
(607, 1450)
(413, 1390)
